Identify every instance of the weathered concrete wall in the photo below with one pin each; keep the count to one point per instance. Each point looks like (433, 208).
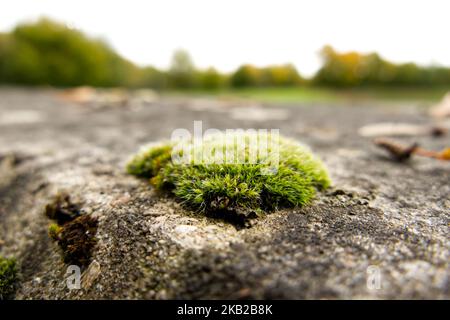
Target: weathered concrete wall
(380, 216)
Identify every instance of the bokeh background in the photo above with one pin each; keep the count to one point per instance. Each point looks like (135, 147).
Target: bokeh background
(273, 51)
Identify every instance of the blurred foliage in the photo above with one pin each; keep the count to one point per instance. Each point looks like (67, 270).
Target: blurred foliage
(284, 75)
(245, 76)
(182, 73)
(153, 78)
(353, 69)
(50, 53)
(272, 76)
(211, 79)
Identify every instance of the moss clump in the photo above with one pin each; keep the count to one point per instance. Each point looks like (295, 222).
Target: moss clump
(149, 163)
(74, 233)
(234, 187)
(76, 239)
(8, 277)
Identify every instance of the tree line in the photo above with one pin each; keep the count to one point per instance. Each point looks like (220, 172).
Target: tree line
(50, 53)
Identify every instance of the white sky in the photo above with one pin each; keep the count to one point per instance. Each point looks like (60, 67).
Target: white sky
(227, 33)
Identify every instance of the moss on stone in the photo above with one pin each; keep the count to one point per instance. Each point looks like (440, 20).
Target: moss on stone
(248, 186)
(76, 239)
(54, 230)
(8, 277)
(74, 233)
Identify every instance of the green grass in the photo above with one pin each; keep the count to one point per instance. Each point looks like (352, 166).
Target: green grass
(317, 94)
(257, 186)
(8, 277)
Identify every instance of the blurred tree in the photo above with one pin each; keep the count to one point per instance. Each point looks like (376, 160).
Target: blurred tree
(153, 78)
(211, 79)
(354, 69)
(438, 75)
(340, 69)
(19, 62)
(280, 76)
(49, 53)
(246, 76)
(182, 71)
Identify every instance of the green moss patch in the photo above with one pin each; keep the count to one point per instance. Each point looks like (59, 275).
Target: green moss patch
(8, 277)
(241, 188)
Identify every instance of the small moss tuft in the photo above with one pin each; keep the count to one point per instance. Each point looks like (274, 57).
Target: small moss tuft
(54, 230)
(237, 188)
(8, 277)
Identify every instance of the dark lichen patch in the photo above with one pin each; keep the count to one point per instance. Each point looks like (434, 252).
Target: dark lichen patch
(8, 277)
(62, 209)
(76, 239)
(237, 189)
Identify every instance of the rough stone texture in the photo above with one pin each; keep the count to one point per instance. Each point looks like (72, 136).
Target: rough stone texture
(379, 213)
